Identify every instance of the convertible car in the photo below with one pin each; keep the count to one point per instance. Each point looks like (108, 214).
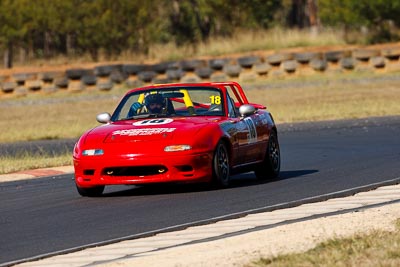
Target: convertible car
(192, 132)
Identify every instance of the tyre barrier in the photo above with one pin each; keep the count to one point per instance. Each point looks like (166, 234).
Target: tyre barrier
(242, 68)
(175, 74)
(319, 64)
(232, 71)
(204, 72)
(61, 82)
(334, 56)
(191, 65)
(160, 68)
(277, 59)
(218, 63)
(248, 62)
(89, 79)
(261, 68)
(49, 76)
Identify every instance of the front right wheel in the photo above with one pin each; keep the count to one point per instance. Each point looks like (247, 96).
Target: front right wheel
(271, 165)
(95, 191)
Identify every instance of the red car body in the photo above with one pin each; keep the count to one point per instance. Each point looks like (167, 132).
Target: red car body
(206, 132)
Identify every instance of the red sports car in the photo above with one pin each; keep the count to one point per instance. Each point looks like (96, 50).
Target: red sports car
(183, 132)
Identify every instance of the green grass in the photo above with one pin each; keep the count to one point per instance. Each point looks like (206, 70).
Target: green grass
(377, 248)
(28, 161)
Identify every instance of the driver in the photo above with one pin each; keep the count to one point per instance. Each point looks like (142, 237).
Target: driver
(154, 103)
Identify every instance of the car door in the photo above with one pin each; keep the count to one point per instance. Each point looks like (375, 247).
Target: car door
(258, 136)
(244, 134)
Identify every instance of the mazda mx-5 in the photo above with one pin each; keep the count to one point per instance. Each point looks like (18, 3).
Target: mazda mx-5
(173, 133)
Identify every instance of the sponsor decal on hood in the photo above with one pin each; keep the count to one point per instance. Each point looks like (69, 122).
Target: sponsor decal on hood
(143, 131)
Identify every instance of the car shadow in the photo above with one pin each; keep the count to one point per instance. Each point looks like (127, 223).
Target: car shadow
(248, 179)
(240, 180)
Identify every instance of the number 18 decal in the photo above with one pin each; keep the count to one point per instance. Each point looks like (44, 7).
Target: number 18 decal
(252, 136)
(215, 99)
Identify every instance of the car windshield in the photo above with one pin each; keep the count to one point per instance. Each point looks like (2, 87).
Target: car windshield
(165, 102)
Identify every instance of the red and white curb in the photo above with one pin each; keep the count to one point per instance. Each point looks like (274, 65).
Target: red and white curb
(32, 174)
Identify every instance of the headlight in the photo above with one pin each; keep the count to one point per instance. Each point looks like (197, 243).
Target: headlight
(177, 148)
(93, 152)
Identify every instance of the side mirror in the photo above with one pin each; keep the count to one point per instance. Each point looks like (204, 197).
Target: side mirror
(247, 110)
(103, 117)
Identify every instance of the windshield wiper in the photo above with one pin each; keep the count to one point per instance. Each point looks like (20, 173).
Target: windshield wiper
(145, 116)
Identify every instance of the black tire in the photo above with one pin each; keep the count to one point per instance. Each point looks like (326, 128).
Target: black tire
(365, 54)
(347, 63)
(133, 69)
(118, 76)
(305, 57)
(392, 53)
(106, 70)
(271, 166)
(146, 76)
(105, 86)
(89, 79)
(49, 76)
(175, 74)
(8, 87)
(61, 82)
(277, 59)
(378, 62)
(218, 64)
(191, 65)
(248, 61)
(232, 70)
(221, 169)
(20, 78)
(95, 191)
(334, 56)
(204, 72)
(160, 68)
(290, 66)
(76, 74)
(262, 68)
(319, 64)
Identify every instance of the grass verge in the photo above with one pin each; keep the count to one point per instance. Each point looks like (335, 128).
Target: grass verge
(378, 248)
(33, 161)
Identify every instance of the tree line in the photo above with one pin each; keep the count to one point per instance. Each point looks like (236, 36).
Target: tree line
(45, 28)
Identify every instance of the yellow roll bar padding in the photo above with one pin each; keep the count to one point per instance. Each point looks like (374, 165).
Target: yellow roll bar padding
(188, 101)
(141, 98)
(186, 98)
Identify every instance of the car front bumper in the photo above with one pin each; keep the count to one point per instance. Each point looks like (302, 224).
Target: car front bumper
(95, 171)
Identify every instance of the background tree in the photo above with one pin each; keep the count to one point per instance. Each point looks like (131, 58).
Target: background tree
(377, 17)
(13, 27)
(46, 28)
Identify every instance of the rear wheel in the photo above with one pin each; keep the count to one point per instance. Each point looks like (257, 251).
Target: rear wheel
(271, 166)
(95, 191)
(221, 165)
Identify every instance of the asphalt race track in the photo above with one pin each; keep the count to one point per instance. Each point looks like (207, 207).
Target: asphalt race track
(47, 215)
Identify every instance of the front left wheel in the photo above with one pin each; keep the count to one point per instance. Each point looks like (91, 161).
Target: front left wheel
(221, 173)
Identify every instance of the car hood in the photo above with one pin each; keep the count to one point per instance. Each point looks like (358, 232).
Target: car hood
(157, 129)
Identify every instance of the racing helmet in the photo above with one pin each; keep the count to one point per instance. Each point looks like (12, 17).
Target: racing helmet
(154, 103)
